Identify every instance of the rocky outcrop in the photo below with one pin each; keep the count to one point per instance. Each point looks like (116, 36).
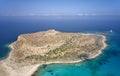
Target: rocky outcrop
(50, 47)
(53, 45)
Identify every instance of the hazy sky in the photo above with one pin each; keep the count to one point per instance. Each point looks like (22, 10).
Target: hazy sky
(59, 7)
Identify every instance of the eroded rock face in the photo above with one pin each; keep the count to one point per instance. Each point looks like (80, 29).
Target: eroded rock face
(53, 45)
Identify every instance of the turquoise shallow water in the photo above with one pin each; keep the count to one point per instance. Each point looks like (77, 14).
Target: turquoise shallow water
(107, 64)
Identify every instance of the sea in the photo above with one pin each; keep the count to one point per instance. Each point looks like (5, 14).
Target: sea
(107, 64)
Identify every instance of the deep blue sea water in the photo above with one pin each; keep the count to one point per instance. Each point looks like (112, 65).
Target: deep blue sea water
(107, 64)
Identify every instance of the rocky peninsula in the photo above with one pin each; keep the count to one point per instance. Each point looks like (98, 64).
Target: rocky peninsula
(46, 47)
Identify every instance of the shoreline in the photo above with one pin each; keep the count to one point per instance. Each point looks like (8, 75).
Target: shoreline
(35, 67)
(78, 61)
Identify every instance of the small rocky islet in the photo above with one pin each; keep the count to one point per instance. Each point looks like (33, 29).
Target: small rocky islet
(46, 47)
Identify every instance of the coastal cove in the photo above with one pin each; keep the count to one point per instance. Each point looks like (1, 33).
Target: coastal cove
(47, 69)
(98, 66)
(65, 69)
